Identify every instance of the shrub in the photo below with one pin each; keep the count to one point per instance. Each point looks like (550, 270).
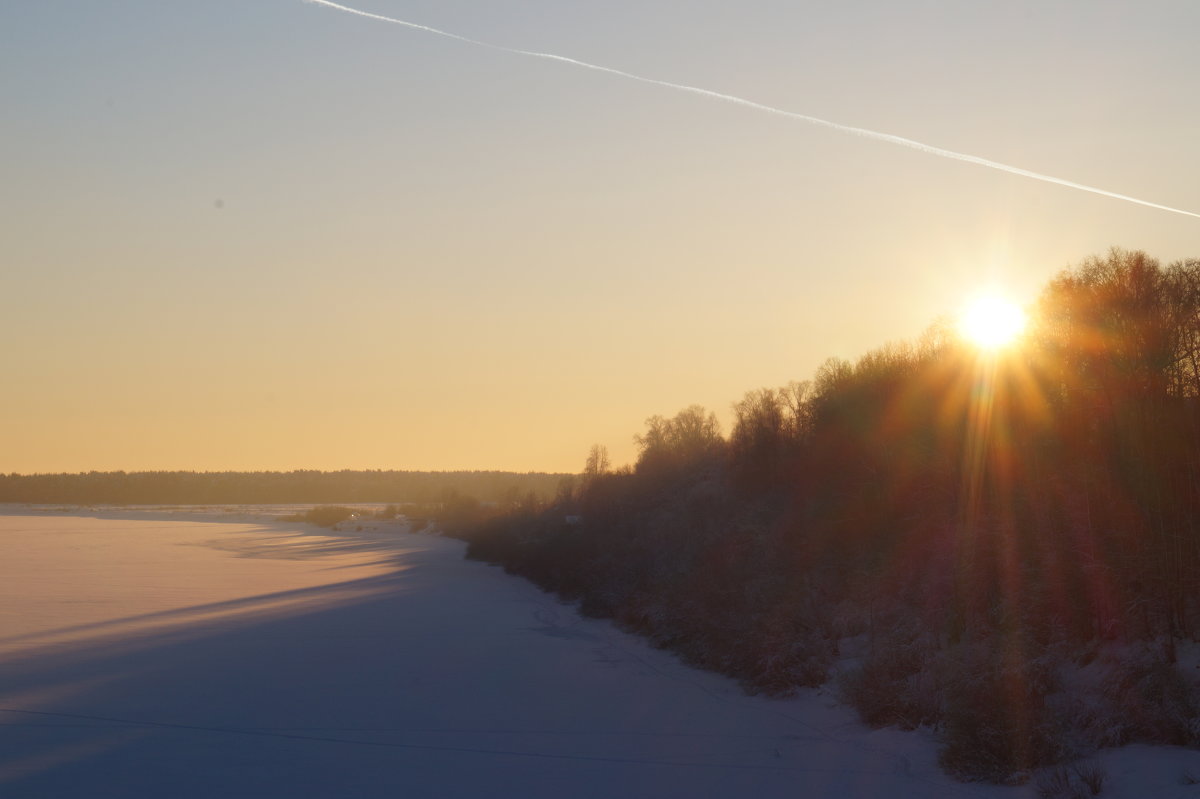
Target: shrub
(323, 515)
(1056, 784)
(995, 722)
(893, 684)
(1159, 703)
(880, 692)
(1092, 775)
(1079, 782)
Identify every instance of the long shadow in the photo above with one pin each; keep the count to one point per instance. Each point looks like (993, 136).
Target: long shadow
(132, 708)
(272, 540)
(182, 615)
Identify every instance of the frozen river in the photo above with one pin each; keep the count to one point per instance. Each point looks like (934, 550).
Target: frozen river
(193, 656)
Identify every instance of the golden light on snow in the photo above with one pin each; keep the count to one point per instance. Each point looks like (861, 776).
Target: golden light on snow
(990, 321)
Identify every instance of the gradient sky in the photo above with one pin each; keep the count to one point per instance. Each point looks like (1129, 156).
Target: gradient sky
(269, 235)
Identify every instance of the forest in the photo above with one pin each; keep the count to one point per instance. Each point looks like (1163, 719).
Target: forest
(1001, 546)
(450, 489)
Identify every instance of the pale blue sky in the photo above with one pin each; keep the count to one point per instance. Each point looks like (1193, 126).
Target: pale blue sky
(270, 235)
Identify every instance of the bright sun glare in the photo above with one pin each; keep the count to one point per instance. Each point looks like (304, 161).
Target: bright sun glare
(991, 322)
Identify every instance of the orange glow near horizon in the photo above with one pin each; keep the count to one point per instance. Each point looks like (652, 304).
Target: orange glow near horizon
(244, 256)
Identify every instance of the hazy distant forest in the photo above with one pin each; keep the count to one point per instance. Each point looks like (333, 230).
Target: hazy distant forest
(1005, 547)
(463, 490)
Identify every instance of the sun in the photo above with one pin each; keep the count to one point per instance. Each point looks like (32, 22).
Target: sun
(991, 322)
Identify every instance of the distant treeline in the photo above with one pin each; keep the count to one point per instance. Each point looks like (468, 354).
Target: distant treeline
(298, 487)
(981, 529)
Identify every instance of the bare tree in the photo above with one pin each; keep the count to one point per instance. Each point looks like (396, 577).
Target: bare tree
(597, 462)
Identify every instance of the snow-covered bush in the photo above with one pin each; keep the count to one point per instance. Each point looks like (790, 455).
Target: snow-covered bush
(1081, 781)
(1159, 704)
(891, 686)
(995, 722)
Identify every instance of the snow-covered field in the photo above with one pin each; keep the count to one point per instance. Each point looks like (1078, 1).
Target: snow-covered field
(184, 654)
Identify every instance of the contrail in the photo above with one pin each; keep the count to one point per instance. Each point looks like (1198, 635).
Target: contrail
(729, 98)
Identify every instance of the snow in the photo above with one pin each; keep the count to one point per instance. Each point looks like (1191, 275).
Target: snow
(199, 654)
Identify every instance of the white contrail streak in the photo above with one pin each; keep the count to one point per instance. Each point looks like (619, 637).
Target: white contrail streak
(729, 98)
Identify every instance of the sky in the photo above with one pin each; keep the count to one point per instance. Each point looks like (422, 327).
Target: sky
(274, 235)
